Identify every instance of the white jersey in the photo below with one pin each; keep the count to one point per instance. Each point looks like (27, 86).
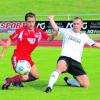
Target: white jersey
(73, 43)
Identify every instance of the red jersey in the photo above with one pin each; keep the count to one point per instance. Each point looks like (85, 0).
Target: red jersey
(27, 40)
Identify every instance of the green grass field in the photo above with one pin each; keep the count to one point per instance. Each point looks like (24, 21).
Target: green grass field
(20, 7)
(45, 59)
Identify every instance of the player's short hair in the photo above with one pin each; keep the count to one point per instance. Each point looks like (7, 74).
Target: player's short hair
(78, 18)
(29, 14)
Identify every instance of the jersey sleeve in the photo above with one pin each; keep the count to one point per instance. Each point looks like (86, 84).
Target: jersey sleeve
(15, 35)
(45, 36)
(89, 41)
(62, 30)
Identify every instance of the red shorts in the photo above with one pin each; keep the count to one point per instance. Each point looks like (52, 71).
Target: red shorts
(15, 59)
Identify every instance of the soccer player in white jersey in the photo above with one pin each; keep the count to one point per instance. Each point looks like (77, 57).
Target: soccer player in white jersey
(70, 59)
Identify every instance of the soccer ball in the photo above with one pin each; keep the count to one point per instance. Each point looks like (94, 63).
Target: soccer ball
(23, 67)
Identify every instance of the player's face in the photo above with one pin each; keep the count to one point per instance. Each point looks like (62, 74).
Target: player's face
(30, 22)
(77, 25)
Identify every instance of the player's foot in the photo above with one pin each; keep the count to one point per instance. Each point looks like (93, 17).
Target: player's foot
(17, 83)
(6, 84)
(21, 85)
(48, 89)
(66, 80)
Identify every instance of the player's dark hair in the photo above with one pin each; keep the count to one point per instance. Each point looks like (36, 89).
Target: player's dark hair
(78, 18)
(29, 14)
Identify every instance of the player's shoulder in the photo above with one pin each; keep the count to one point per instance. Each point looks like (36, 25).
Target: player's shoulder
(69, 29)
(62, 28)
(37, 29)
(21, 29)
(83, 33)
(65, 29)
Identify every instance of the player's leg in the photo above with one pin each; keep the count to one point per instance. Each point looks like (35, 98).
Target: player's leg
(61, 67)
(33, 75)
(83, 80)
(80, 77)
(71, 82)
(78, 81)
(18, 79)
(15, 80)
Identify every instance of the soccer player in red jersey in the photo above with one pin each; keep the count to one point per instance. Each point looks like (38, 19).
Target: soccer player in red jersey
(27, 39)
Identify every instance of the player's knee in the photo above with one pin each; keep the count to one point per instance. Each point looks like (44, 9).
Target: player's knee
(85, 85)
(61, 63)
(25, 77)
(32, 78)
(61, 66)
(37, 76)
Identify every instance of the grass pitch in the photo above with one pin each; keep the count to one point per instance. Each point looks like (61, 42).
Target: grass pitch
(45, 59)
(51, 7)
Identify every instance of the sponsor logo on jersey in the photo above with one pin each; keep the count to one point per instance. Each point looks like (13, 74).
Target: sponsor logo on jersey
(74, 39)
(31, 40)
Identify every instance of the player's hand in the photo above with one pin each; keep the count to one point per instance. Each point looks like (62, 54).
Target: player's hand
(51, 17)
(55, 32)
(2, 43)
(1, 56)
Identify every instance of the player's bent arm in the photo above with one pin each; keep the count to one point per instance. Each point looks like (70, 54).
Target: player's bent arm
(8, 43)
(54, 25)
(53, 36)
(96, 44)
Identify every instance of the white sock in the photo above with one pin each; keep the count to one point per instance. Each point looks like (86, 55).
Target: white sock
(73, 82)
(53, 78)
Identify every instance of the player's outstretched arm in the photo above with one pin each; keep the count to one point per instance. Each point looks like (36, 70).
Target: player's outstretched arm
(2, 43)
(8, 43)
(54, 25)
(96, 44)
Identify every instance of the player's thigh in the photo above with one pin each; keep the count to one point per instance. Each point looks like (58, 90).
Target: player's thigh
(61, 66)
(14, 61)
(34, 72)
(83, 80)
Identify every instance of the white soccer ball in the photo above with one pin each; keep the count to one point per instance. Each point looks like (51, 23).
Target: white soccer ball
(23, 67)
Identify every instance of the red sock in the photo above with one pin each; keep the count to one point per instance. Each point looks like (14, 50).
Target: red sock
(14, 79)
(17, 77)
